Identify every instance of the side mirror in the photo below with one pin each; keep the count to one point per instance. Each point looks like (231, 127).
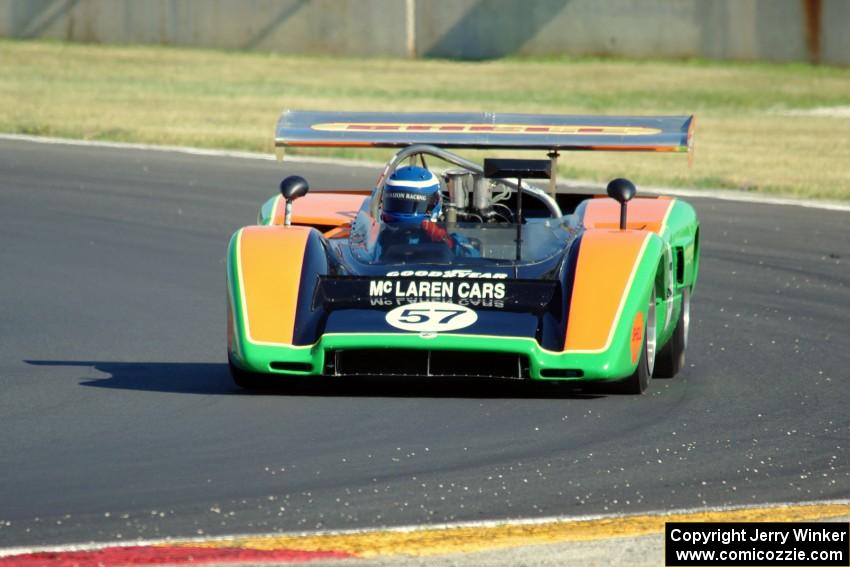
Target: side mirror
(622, 191)
(292, 188)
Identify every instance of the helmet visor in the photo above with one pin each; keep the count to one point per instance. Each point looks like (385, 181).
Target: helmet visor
(409, 202)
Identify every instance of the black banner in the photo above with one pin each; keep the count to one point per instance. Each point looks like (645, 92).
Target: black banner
(751, 543)
(347, 292)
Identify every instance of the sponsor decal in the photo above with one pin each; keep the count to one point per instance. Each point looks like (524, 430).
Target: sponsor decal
(437, 289)
(393, 301)
(447, 274)
(431, 317)
(452, 128)
(406, 195)
(484, 291)
(636, 342)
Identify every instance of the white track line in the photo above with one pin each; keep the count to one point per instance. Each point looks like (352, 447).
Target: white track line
(719, 194)
(9, 551)
(740, 196)
(183, 150)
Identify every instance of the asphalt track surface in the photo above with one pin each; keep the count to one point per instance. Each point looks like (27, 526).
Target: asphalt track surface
(118, 419)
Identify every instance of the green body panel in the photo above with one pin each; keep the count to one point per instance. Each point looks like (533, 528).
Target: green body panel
(235, 310)
(611, 364)
(601, 366)
(681, 256)
(682, 230)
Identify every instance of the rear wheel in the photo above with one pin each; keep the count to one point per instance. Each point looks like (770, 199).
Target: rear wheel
(638, 382)
(671, 359)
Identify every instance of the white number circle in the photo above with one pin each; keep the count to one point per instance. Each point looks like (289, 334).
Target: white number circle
(431, 317)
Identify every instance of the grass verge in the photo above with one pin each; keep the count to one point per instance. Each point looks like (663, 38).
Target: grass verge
(745, 137)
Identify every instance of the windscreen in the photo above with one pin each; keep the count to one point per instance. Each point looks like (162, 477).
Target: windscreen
(468, 243)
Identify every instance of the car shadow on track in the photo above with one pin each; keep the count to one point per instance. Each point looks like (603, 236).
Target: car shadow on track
(214, 378)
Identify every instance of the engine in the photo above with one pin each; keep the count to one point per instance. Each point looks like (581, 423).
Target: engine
(474, 198)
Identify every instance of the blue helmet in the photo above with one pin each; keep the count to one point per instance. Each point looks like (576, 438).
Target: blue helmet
(411, 194)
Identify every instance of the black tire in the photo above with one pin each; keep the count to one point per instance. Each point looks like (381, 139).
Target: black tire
(259, 381)
(671, 359)
(244, 379)
(638, 382)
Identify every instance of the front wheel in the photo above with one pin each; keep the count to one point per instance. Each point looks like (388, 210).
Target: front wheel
(245, 379)
(638, 382)
(671, 359)
(258, 381)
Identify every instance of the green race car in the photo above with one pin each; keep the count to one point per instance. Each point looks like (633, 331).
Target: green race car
(469, 269)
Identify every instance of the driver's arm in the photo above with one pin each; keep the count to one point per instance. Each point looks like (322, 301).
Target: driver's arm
(456, 242)
(437, 233)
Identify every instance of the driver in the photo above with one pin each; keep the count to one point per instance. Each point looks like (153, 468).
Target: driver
(412, 198)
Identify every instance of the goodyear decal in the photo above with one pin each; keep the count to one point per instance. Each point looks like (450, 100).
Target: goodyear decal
(453, 128)
(457, 273)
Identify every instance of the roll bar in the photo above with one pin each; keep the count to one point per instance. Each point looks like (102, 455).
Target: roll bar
(440, 153)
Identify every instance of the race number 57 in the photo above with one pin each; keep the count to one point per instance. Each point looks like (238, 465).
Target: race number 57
(431, 317)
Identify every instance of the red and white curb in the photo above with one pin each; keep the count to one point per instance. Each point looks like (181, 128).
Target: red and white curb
(410, 541)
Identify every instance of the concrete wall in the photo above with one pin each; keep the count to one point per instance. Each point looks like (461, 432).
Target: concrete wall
(297, 26)
(772, 30)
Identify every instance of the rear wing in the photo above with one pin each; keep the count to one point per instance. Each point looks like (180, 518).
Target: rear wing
(484, 130)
